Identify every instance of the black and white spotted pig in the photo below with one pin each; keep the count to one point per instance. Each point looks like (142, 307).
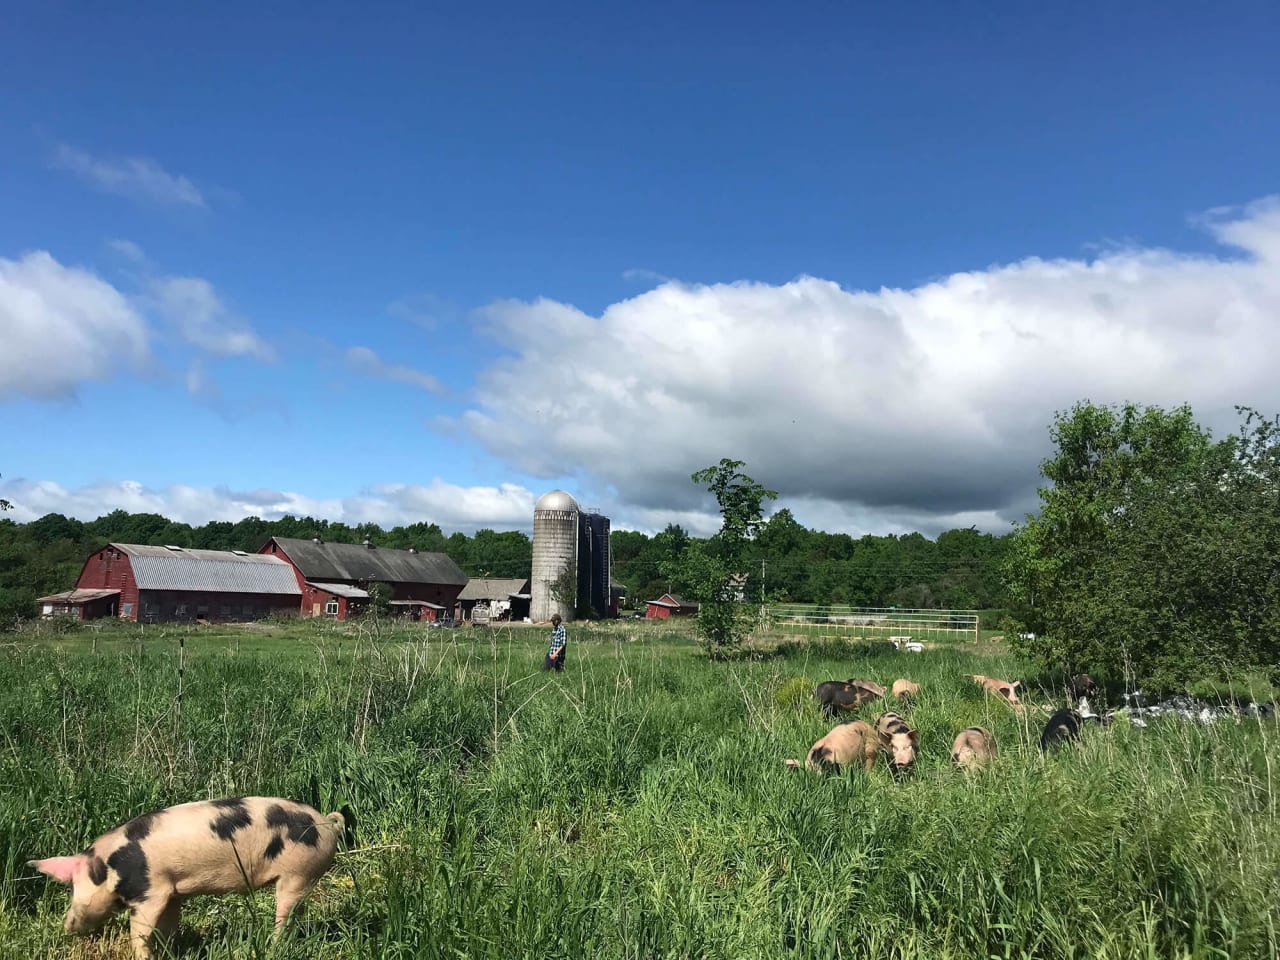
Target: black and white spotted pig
(154, 861)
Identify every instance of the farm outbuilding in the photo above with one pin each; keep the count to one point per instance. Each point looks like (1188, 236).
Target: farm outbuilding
(81, 604)
(158, 584)
(334, 578)
(505, 599)
(667, 606)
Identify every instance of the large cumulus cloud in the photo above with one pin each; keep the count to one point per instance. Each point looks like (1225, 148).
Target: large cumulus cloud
(880, 409)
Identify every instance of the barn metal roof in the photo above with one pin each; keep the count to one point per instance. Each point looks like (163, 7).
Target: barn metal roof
(77, 596)
(213, 571)
(341, 590)
(353, 561)
(489, 588)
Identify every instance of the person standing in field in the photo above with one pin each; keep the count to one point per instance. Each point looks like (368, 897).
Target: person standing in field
(555, 653)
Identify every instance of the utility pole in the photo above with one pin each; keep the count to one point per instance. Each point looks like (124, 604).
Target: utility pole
(762, 593)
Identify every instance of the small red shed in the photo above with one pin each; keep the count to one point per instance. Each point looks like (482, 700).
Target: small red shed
(667, 606)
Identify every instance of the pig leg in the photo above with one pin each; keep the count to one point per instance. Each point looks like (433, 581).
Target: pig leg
(167, 922)
(289, 895)
(144, 919)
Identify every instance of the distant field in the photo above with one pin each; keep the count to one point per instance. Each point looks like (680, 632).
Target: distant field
(636, 806)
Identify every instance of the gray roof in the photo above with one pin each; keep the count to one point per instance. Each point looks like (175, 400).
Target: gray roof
(77, 596)
(341, 590)
(214, 571)
(664, 602)
(353, 561)
(488, 588)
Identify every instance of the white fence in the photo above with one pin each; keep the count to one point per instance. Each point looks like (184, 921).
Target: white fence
(816, 621)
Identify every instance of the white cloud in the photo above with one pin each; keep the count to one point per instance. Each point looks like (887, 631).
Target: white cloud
(61, 326)
(134, 177)
(918, 406)
(453, 507)
(127, 250)
(192, 306)
(364, 361)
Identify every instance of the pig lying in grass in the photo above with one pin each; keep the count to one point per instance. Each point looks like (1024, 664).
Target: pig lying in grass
(845, 745)
(154, 861)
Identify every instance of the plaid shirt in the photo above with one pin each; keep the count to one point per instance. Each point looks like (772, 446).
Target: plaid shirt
(557, 641)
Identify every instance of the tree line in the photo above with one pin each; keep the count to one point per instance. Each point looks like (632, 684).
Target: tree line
(783, 561)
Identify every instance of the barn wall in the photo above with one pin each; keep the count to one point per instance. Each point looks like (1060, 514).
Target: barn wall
(445, 595)
(314, 595)
(109, 569)
(187, 605)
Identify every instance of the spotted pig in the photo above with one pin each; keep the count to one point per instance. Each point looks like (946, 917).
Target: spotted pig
(845, 745)
(898, 740)
(155, 861)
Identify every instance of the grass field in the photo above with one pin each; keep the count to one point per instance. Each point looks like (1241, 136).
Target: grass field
(635, 806)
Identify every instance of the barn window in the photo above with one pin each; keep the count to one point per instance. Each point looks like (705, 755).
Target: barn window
(202, 612)
(180, 610)
(331, 608)
(226, 610)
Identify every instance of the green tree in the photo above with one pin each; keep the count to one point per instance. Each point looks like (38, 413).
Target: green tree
(1154, 553)
(564, 588)
(707, 570)
(379, 599)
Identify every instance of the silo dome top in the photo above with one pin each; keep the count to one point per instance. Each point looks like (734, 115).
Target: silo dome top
(556, 500)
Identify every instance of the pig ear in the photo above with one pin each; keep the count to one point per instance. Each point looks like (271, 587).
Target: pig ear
(62, 869)
(914, 737)
(1014, 684)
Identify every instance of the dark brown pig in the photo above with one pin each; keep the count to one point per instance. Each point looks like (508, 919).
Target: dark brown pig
(836, 696)
(155, 861)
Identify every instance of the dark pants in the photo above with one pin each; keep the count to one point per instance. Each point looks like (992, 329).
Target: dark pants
(554, 663)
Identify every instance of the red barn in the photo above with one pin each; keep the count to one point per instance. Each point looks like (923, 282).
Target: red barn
(154, 584)
(334, 577)
(669, 606)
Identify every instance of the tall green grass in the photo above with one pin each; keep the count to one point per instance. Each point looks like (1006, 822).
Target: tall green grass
(635, 806)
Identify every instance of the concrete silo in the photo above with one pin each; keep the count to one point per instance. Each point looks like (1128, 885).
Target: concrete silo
(555, 549)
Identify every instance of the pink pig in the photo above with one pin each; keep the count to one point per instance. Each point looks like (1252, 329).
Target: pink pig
(154, 861)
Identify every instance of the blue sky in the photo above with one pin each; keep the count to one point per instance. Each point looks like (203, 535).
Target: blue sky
(401, 263)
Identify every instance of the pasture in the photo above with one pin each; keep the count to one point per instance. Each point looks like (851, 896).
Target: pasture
(635, 806)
